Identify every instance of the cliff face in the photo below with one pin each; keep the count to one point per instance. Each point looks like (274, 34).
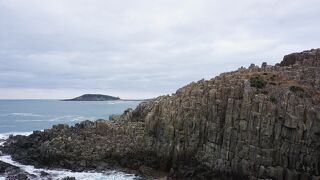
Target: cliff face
(232, 127)
(250, 123)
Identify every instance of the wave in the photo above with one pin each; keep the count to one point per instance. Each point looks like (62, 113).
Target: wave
(61, 173)
(5, 136)
(31, 120)
(5, 126)
(22, 114)
(70, 118)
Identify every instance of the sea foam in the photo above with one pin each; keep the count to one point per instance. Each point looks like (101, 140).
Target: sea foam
(60, 173)
(22, 114)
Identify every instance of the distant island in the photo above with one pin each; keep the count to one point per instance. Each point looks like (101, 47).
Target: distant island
(94, 97)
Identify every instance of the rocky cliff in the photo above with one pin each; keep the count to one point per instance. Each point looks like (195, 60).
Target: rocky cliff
(253, 123)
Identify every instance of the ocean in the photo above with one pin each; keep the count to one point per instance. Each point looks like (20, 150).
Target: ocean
(25, 116)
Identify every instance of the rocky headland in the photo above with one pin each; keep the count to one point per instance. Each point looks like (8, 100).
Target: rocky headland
(94, 97)
(253, 123)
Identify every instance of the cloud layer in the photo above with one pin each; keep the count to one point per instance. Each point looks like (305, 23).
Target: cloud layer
(140, 49)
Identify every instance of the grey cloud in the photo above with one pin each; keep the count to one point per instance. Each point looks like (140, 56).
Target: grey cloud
(142, 48)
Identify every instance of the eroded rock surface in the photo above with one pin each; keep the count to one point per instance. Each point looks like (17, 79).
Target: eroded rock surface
(226, 127)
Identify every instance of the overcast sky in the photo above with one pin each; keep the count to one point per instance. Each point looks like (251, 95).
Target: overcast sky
(142, 48)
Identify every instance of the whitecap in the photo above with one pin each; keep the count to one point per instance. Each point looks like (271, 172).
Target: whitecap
(5, 136)
(22, 114)
(5, 126)
(60, 173)
(30, 120)
(71, 118)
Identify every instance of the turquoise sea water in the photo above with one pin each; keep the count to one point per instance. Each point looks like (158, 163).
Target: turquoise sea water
(30, 115)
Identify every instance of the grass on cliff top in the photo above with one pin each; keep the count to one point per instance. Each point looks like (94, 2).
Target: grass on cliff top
(296, 89)
(258, 82)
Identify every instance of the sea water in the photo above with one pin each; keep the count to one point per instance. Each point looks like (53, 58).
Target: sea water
(24, 116)
(30, 115)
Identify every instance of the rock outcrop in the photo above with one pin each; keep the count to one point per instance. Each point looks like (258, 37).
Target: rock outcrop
(255, 123)
(12, 172)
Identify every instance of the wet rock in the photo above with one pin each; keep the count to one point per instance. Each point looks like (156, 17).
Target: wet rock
(13, 173)
(3, 167)
(44, 174)
(68, 178)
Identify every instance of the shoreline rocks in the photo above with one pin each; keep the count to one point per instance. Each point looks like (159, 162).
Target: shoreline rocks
(228, 127)
(12, 172)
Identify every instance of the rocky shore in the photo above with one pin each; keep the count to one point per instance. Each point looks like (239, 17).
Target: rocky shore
(253, 123)
(13, 172)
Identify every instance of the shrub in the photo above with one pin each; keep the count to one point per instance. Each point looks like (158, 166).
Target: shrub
(273, 99)
(296, 89)
(257, 82)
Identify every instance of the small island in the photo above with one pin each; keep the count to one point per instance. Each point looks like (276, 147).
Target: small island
(94, 97)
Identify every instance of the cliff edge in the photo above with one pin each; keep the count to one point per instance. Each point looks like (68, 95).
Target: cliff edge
(253, 123)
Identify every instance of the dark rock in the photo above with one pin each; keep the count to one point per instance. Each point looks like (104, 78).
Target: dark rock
(3, 167)
(289, 60)
(86, 124)
(294, 58)
(68, 178)
(264, 65)
(44, 174)
(252, 66)
(13, 173)
(19, 177)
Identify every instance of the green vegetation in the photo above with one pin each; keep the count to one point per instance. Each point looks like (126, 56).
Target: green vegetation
(273, 99)
(296, 89)
(258, 82)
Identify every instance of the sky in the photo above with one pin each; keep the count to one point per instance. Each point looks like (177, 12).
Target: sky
(56, 49)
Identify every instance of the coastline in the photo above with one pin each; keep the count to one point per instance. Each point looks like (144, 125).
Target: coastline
(18, 170)
(247, 124)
